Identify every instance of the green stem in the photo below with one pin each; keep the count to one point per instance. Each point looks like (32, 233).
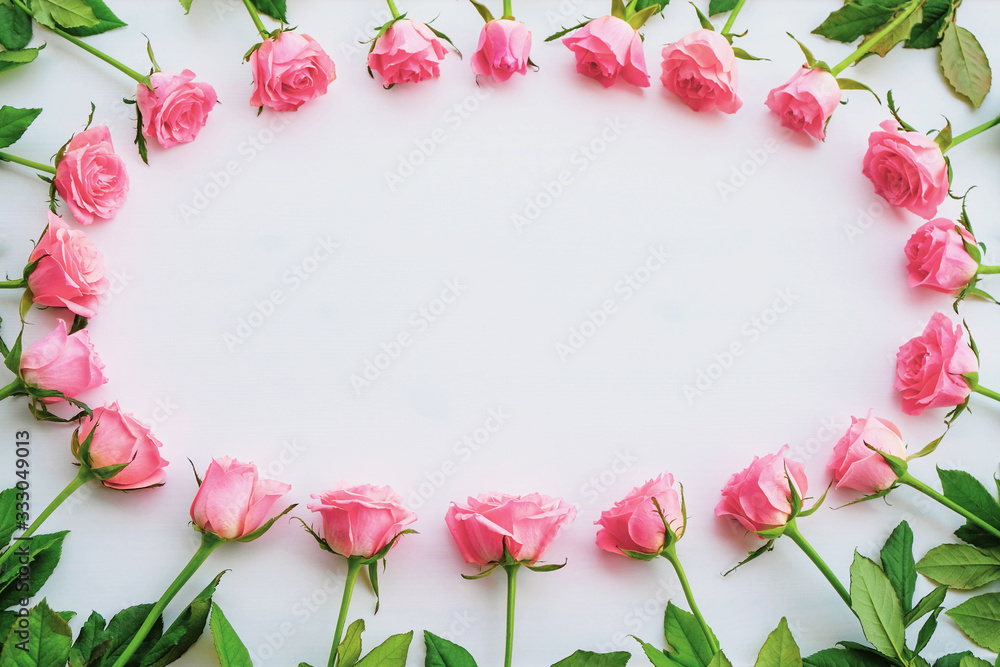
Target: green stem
(13, 284)
(792, 530)
(508, 9)
(354, 566)
(915, 483)
(670, 553)
(988, 269)
(973, 132)
(256, 19)
(979, 389)
(13, 389)
(876, 38)
(392, 8)
(732, 18)
(7, 157)
(511, 593)
(209, 542)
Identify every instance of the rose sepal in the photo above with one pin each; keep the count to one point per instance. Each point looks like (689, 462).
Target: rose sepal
(818, 503)
(81, 452)
(811, 61)
(566, 31)
(250, 537)
(484, 11)
(898, 465)
(507, 562)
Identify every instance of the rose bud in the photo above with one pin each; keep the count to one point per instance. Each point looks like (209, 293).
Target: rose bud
(408, 52)
(607, 48)
(759, 497)
(62, 362)
(907, 169)
(232, 501)
(856, 466)
(634, 523)
(91, 177)
(929, 368)
(176, 109)
(360, 520)
(806, 102)
(504, 49)
(288, 71)
(70, 270)
(121, 439)
(937, 257)
(701, 69)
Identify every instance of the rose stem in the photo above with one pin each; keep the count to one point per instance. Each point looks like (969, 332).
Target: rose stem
(392, 8)
(979, 389)
(670, 553)
(915, 483)
(511, 592)
(988, 269)
(13, 388)
(732, 17)
(872, 41)
(353, 567)
(7, 157)
(971, 133)
(508, 10)
(11, 284)
(792, 530)
(256, 19)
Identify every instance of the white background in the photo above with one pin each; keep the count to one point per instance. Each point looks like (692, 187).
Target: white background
(805, 223)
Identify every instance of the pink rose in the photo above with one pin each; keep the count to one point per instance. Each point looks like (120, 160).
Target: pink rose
(633, 524)
(806, 102)
(360, 520)
(857, 467)
(61, 362)
(937, 258)
(70, 270)
(288, 71)
(176, 109)
(407, 52)
(759, 497)
(121, 438)
(929, 368)
(232, 501)
(907, 169)
(90, 177)
(528, 524)
(504, 47)
(700, 68)
(607, 48)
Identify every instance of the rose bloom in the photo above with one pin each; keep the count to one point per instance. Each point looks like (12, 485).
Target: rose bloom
(360, 520)
(121, 438)
(607, 48)
(70, 270)
(288, 71)
(701, 69)
(66, 363)
(759, 497)
(407, 52)
(929, 368)
(936, 257)
(91, 177)
(528, 523)
(176, 109)
(857, 467)
(232, 500)
(504, 47)
(806, 102)
(633, 524)
(907, 169)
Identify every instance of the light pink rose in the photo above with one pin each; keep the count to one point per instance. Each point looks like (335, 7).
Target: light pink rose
(929, 368)
(806, 102)
(360, 520)
(91, 177)
(288, 71)
(176, 109)
(759, 497)
(504, 48)
(527, 523)
(408, 52)
(907, 169)
(121, 438)
(633, 524)
(857, 467)
(701, 70)
(607, 48)
(233, 501)
(62, 362)
(936, 257)
(70, 270)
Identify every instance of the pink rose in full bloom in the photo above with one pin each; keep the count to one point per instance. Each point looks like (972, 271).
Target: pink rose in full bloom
(407, 52)
(504, 47)
(607, 48)
(288, 71)
(929, 368)
(936, 257)
(528, 524)
(907, 169)
(233, 501)
(91, 177)
(633, 524)
(857, 467)
(806, 102)
(121, 438)
(701, 69)
(360, 520)
(62, 362)
(70, 270)
(759, 497)
(176, 109)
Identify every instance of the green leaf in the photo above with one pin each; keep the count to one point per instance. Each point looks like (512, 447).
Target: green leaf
(106, 20)
(15, 27)
(845, 657)
(898, 34)
(952, 659)
(657, 657)
(926, 631)
(720, 6)
(184, 631)
(581, 659)
(973, 661)
(483, 10)
(927, 34)
(566, 31)
(720, 660)
(186, 4)
(43, 553)
(91, 644)
(8, 515)
(124, 625)
(874, 602)
(979, 618)
(691, 648)
(965, 490)
(45, 643)
(274, 8)
(14, 122)
(390, 653)
(898, 565)
(852, 21)
(927, 604)
(63, 13)
(965, 65)
(350, 647)
(12, 59)
(960, 566)
(231, 650)
(443, 653)
(780, 649)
